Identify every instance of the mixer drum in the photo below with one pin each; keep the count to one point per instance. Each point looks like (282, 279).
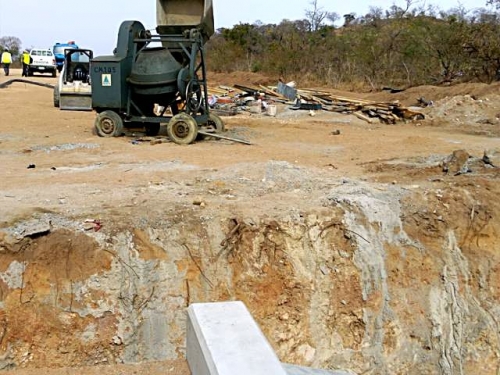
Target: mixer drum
(155, 72)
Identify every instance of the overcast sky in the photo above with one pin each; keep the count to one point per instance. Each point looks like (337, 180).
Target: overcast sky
(94, 23)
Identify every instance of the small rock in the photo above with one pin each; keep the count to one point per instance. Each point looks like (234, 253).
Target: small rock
(198, 202)
(88, 226)
(491, 157)
(457, 163)
(336, 132)
(324, 269)
(117, 340)
(34, 228)
(344, 254)
(487, 121)
(156, 142)
(307, 352)
(31, 166)
(282, 336)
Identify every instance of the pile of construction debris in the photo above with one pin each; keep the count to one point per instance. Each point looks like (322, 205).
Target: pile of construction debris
(228, 101)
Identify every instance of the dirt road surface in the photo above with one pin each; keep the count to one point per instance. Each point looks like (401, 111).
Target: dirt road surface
(66, 153)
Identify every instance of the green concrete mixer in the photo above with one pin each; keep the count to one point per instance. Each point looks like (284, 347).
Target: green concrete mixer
(154, 79)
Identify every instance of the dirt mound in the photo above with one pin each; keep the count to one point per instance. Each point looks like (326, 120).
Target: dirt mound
(409, 97)
(436, 167)
(477, 90)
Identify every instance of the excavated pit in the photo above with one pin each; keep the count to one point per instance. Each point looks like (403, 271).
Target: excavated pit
(372, 278)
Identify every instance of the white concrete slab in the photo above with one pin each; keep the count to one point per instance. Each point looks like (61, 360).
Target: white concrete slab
(224, 339)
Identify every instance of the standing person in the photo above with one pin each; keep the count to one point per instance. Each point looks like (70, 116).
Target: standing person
(26, 60)
(6, 60)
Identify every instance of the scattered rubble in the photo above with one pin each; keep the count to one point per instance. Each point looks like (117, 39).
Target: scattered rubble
(457, 163)
(492, 158)
(476, 115)
(65, 147)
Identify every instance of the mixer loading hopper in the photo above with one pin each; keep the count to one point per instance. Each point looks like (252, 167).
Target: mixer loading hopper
(175, 16)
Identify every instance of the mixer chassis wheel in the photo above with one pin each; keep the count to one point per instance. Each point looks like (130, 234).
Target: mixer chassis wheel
(214, 125)
(108, 124)
(216, 122)
(182, 129)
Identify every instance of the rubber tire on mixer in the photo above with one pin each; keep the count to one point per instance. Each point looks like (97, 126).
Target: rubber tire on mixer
(182, 129)
(108, 124)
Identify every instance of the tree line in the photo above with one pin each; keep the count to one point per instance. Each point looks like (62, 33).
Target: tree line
(399, 47)
(12, 43)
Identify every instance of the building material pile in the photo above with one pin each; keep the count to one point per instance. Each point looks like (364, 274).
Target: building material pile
(230, 100)
(387, 112)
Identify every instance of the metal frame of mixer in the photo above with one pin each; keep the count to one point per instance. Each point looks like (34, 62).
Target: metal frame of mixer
(193, 89)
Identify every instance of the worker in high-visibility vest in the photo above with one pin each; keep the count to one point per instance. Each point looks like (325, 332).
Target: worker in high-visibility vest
(26, 60)
(6, 60)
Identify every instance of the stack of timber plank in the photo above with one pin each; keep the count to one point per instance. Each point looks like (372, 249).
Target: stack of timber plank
(367, 110)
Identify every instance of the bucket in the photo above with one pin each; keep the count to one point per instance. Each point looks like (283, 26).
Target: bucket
(272, 110)
(256, 109)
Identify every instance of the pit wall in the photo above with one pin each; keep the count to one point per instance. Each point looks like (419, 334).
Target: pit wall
(376, 281)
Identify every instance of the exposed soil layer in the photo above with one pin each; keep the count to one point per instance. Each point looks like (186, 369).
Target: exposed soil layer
(375, 250)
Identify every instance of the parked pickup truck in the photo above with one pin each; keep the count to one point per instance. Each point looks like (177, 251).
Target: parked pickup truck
(43, 61)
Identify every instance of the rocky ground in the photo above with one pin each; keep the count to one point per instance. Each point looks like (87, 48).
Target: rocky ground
(370, 248)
